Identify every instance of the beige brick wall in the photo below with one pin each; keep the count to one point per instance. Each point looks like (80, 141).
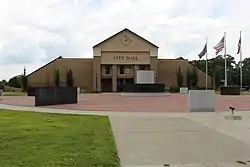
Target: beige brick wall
(82, 73)
(167, 69)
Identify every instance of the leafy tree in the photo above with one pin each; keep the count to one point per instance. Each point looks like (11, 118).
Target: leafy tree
(1, 86)
(15, 81)
(216, 69)
(3, 83)
(69, 78)
(179, 76)
(246, 71)
(57, 78)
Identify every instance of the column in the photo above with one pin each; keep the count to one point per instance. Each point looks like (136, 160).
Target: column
(114, 78)
(154, 67)
(97, 74)
(135, 73)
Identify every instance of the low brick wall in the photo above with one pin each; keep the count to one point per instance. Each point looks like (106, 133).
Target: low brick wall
(55, 95)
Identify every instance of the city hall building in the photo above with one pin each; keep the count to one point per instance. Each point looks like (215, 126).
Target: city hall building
(115, 62)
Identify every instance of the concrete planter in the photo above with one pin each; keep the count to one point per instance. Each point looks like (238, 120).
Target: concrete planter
(230, 90)
(183, 90)
(201, 101)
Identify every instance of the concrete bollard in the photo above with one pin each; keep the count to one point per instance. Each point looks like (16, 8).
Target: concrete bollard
(201, 101)
(183, 90)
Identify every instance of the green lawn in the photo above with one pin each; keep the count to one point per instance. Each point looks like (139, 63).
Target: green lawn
(14, 94)
(243, 93)
(30, 139)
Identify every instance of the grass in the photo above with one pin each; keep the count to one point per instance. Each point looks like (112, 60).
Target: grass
(243, 93)
(14, 94)
(30, 139)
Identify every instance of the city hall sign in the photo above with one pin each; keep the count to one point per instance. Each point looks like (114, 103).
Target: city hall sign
(132, 58)
(125, 58)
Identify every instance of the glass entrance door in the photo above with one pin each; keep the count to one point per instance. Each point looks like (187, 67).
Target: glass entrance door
(106, 84)
(123, 81)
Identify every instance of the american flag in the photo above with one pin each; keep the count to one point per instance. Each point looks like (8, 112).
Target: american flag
(239, 46)
(220, 46)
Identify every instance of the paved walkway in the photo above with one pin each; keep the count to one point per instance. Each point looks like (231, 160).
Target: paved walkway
(176, 139)
(116, 102)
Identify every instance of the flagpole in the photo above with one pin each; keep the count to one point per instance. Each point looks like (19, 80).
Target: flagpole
(240, 62)
(225, 57)
(206, 64)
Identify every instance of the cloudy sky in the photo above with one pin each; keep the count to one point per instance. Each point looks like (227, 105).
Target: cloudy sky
(33, 32)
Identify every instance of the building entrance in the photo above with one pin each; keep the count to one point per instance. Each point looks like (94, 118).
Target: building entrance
(106, 84)
(123, 81)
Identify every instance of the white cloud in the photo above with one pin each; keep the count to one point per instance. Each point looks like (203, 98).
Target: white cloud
(35, 32)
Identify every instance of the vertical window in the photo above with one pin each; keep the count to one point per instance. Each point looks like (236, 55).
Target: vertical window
(121, 69)
(125, 70)
(106, 70)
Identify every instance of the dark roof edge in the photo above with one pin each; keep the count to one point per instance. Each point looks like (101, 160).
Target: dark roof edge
(126, 29)
(60, 57)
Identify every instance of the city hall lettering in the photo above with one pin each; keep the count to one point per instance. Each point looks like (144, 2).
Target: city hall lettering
(125, 58)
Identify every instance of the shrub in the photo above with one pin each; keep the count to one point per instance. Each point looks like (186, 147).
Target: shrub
(24, 83)
(188, 78)
(194, 78)
(179, 76)
(57, 78)
(174, 90)
(69, 78)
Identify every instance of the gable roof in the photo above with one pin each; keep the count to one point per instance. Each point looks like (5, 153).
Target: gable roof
(44, 66)
(129, 32)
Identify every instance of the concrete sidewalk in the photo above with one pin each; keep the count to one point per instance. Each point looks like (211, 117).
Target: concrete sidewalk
(176, 139)
(173, 140)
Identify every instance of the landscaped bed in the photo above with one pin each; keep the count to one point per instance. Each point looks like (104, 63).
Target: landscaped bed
(30, 139)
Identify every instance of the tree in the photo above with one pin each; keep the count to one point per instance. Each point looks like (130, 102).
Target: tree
(194, 77)
(3, 83)
(57, 78)
(69, 78)
(246, 71)
(1, 86)
(216, 69)
(15, 81)
(24, 83)
(179, 76)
